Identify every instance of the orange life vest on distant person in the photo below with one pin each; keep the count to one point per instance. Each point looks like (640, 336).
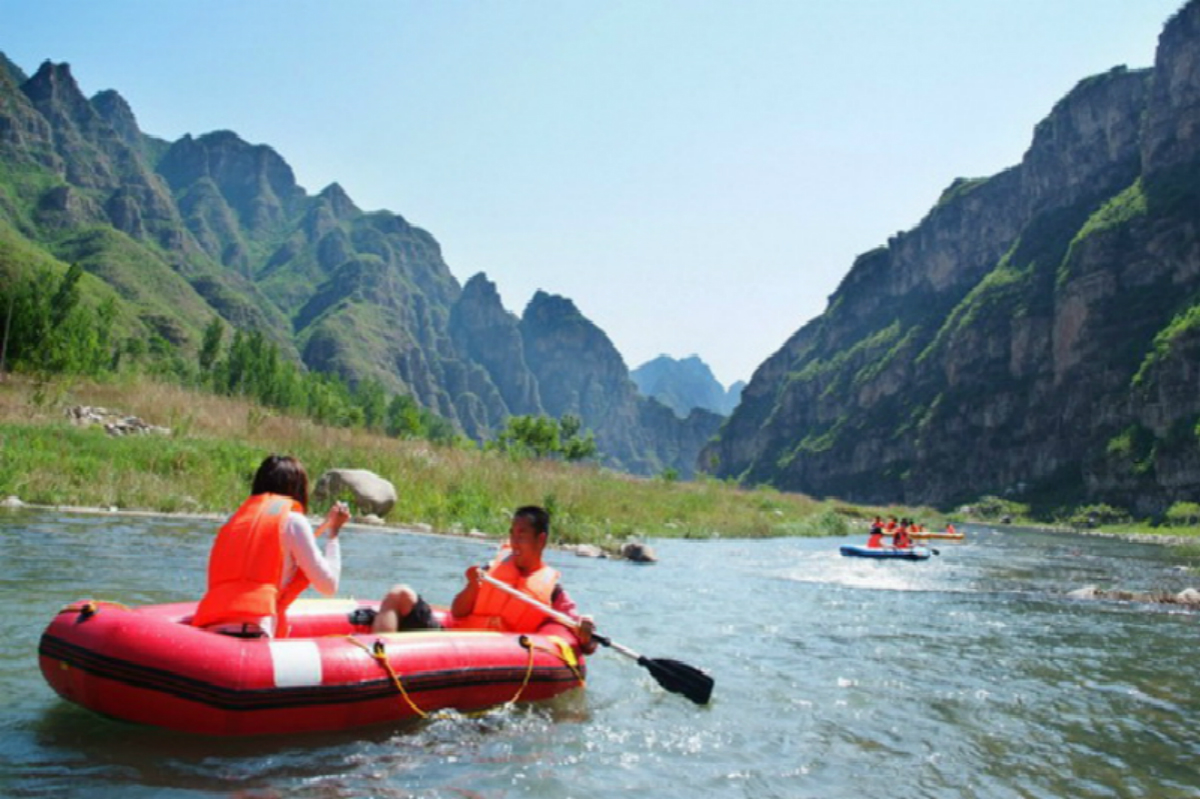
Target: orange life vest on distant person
(496, 610)
(246, 566)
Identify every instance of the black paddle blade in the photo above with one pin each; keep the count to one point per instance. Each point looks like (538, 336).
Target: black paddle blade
(680, 678)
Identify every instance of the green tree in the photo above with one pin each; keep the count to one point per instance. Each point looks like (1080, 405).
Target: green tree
(529, 436)
(576, 443)
(210, 349)
(403, 418)
(543, 437)
(1183, 514)
(370, 397)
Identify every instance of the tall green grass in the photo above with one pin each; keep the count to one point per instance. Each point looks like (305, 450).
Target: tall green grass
(206, 464)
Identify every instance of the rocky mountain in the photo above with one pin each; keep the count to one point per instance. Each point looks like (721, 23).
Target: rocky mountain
(581, 372)
(1035, 336)
(211, 225)
(683, 384)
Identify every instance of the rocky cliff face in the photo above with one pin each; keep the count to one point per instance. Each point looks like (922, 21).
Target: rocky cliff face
(580, 372)
(491, 336)
(1034, 336)
(213, 225)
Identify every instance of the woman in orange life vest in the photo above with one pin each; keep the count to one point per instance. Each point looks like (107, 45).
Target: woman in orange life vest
(266, 554)
(482, 606)
(901, 540)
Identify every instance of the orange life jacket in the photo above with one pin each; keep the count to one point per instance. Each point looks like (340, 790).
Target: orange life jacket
(496, 610)
(876, 540)
(246, 566)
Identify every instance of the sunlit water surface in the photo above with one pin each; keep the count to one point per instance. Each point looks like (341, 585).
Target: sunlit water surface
(968, 675)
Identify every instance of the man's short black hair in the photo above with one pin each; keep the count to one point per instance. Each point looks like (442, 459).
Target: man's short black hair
(537, 517)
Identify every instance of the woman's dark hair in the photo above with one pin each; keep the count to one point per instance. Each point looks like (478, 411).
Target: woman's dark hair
(282, 474)
(537, 518)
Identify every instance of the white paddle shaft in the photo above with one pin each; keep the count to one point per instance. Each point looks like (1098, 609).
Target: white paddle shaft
(561, 618)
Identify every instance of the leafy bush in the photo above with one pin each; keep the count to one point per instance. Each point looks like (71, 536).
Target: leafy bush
(993, 507)
(542, 437)
(1183, 514)
(1098, 516)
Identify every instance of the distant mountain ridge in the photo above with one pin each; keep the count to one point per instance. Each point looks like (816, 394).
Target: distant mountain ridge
(1035, 337)
(211, 225)
(684, 384)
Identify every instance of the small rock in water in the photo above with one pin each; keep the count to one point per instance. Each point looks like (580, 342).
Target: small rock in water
(638, 552)
(12, 502)
(1188, 596)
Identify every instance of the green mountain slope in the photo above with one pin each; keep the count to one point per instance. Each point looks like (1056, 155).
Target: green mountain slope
(211, 226)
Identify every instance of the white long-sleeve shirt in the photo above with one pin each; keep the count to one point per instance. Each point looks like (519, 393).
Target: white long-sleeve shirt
(300, 552)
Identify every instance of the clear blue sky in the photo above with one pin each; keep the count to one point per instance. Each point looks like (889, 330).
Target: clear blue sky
(697, 175)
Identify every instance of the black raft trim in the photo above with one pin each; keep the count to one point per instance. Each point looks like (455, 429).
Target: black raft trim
(240, 699)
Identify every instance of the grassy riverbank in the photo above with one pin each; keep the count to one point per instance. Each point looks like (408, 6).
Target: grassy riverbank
(206, 463)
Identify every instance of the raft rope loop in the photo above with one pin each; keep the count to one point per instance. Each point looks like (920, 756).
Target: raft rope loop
(90, 608)
(564, 653)
(379, 653)
(528, 645)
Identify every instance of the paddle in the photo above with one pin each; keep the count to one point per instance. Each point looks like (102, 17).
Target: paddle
(676, 677)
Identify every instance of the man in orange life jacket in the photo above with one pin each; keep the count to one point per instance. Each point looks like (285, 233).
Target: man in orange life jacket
(875, 541)
(266, 554)
(482, 606)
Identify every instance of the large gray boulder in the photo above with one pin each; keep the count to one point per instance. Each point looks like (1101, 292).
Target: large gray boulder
(370, 492)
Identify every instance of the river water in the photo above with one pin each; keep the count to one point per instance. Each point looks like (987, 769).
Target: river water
(967, 675)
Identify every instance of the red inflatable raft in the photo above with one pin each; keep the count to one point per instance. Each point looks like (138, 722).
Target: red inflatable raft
(148, 665)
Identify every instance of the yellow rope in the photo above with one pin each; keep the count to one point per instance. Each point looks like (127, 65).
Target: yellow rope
(380, 655)
(89, 608)
(525, 642)
(564, 653)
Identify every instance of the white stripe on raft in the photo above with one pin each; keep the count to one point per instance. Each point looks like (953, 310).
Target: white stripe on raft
(297, 663)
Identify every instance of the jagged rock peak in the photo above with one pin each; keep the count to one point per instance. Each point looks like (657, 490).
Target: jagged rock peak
(554, 328)
(479, 288)
(53, 84)
(14, 72)
(113, 109)
(552, 306)
(254, 179)
(683, 384)
(339, 201)
(490, 335)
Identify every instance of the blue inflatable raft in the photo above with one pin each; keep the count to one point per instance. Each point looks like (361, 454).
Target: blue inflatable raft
(915, 553)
